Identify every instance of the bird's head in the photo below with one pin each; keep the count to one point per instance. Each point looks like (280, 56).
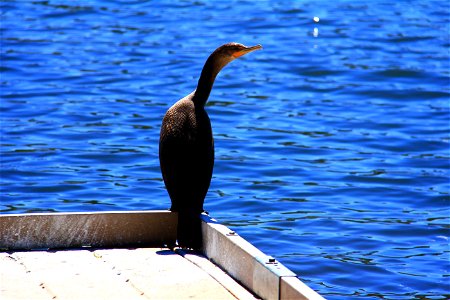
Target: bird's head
(215, 62)
(227, 53)
(235, 50)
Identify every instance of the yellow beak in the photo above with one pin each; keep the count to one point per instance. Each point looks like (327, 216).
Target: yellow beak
(246, 50)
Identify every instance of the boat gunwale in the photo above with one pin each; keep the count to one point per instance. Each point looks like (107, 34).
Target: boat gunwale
(260, 273)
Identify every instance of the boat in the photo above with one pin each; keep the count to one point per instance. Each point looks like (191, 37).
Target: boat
(124, 255)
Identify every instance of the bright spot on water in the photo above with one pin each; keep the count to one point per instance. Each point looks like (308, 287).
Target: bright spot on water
(316, 19)
(442, 237)
(316, 32)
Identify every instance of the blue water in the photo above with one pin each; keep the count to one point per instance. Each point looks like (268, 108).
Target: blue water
(332, 143)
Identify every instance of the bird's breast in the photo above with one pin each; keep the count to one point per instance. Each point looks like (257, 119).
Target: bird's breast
(185, 123)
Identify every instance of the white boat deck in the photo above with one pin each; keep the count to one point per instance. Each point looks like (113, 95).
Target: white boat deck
(141, 273)
(118, 255)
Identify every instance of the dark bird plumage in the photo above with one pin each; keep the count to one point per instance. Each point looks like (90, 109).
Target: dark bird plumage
(186, 148)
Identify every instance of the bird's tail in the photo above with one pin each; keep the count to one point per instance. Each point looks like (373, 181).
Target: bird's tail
(189, 232)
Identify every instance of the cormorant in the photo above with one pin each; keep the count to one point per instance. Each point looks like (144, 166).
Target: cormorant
(186, 147)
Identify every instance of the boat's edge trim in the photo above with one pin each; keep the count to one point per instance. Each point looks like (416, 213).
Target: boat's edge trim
(86, 229)
(260, 273)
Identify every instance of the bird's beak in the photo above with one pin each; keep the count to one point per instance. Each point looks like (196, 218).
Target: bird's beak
(246, 50)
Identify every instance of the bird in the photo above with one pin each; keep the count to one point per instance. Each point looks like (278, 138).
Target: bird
(186, 148)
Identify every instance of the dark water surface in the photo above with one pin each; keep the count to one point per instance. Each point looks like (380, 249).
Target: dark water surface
(332, 143)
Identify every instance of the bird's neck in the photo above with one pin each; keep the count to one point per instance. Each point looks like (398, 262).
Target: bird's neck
(210, 70)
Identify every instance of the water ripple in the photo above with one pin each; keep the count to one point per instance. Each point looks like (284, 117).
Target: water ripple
(331, 143)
